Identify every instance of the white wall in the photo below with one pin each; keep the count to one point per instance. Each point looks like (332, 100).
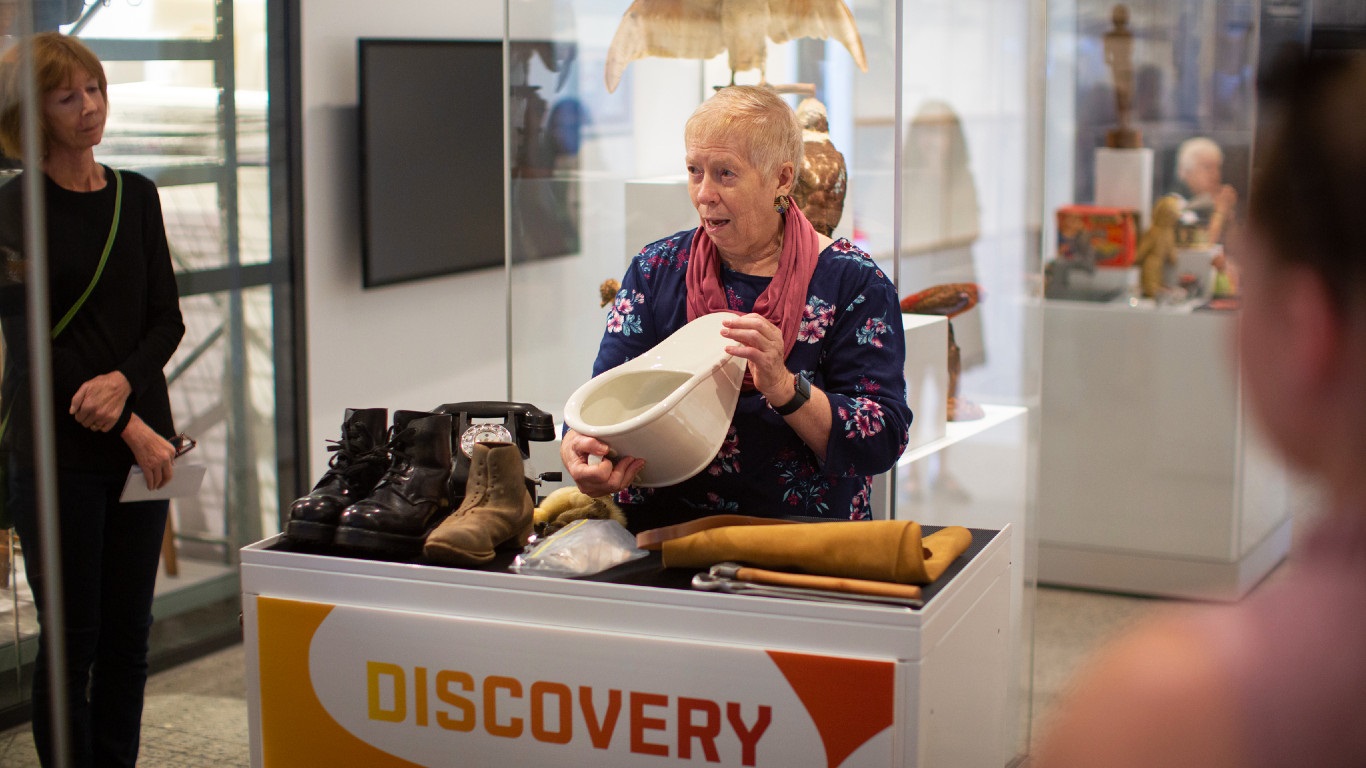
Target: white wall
(412, 346)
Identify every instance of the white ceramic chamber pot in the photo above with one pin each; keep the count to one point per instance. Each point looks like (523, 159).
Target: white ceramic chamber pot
(671, 406)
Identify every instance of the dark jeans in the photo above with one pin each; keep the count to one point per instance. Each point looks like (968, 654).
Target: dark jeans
(109, 557)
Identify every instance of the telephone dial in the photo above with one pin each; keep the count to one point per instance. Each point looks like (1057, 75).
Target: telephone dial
(490, 421)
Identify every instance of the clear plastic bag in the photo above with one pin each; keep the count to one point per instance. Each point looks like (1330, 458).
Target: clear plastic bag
(582, 548)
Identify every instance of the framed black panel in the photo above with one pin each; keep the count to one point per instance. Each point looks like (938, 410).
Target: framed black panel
(432, 169)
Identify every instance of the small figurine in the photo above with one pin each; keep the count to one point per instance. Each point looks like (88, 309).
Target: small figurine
(1225, 277)
(608, 291)
(1074, 252)
(1119, 55)
(949, 300)
(1157, 248)
(1199, 166)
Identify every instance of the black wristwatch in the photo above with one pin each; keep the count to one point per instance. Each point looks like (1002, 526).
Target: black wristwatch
(803, 387)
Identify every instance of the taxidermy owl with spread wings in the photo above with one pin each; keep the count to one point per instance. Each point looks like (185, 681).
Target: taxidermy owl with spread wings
(702, 29)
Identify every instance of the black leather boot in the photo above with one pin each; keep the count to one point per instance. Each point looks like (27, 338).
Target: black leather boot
(411, 499)
(356, 466)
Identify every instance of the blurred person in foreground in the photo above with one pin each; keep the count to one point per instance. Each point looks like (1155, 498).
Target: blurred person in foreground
(1278, 679)
(115, 320)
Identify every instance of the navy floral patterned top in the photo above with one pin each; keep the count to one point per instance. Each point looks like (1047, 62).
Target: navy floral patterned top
(851, 345)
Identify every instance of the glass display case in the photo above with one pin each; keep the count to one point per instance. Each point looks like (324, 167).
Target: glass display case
(937, 137)
(1152, 480)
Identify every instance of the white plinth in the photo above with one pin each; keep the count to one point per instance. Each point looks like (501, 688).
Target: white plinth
(927, 376)
(1151, 478)
(1124, 179)
(656, 208)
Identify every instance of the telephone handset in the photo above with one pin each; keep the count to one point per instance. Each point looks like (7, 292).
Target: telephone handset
(493, 421)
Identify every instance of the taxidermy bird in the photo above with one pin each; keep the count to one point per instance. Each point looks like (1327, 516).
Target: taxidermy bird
(823, 179)
(702, 29)
(949, 300)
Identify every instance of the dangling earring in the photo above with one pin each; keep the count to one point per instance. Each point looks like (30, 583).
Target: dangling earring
(781, 203)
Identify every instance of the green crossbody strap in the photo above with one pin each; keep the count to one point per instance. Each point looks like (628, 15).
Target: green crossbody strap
(99, 270)
(104, 257)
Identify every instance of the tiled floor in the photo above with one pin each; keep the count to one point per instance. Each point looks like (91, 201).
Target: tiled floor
(195, 717)
(196, 714)
(1068, 626)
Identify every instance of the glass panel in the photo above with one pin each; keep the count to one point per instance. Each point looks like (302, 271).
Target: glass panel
(205, 393)
(968, 248)
(18, 616)
(1193, 70)
(193, 226)
(188, 109)
(587, 155)
(966, 90)
(622, 152)
(1141, 302)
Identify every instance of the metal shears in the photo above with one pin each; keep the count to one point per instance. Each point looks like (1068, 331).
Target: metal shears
(735, 579)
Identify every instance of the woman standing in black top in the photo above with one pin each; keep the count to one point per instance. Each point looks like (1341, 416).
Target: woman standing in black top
(111, 407)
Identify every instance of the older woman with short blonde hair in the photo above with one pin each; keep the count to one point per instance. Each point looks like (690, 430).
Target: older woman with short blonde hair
(768, 133)
(824, 407)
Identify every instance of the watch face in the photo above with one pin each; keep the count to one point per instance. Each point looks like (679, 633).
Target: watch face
(483, 433)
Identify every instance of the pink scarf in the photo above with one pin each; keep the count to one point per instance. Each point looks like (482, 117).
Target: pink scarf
(782, 302)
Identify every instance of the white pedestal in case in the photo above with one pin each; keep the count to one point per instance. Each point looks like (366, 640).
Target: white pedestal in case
(1124, 179)
(375, 664)
(1151, 479)
(927, 376)
(655, 208)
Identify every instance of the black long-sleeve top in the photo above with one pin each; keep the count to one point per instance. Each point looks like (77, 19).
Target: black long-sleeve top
(130, 323)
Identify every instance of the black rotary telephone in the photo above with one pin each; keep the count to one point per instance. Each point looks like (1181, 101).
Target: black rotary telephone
(497, 422)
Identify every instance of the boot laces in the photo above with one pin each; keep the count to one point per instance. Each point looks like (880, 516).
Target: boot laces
(397, 449)
(355, 451)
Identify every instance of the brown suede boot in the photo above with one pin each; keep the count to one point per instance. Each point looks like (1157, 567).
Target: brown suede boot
(497, 509)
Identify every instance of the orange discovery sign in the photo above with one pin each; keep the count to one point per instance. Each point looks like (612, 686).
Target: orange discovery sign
(345, 686)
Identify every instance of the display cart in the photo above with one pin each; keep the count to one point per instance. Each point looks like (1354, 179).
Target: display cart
(365, 663)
